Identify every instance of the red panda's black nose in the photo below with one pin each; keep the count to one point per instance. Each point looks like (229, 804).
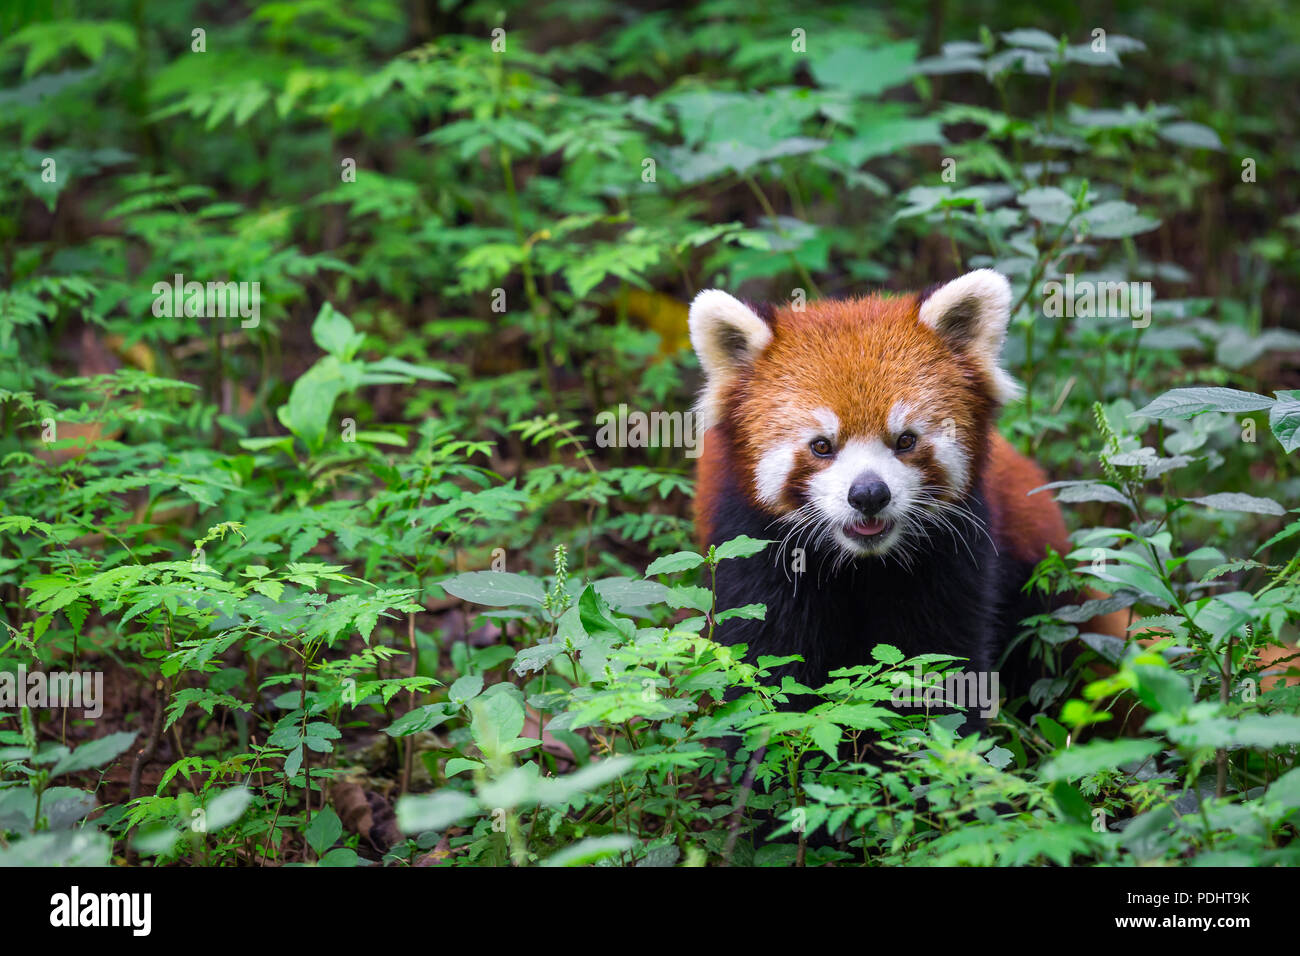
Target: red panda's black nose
(869, 494)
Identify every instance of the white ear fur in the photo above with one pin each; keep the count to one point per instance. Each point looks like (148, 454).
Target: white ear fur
(726, 335)
(971, 312)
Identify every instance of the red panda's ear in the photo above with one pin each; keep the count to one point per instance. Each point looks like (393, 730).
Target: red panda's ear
(725, 333)
(727, 336)
(971, 314)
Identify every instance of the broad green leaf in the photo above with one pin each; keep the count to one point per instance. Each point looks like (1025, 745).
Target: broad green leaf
(334, 333)
(1186, 402)
(497, 721)
(1237, 501)
(324, 830)
(590, 850)
(435, 811)
(864, 71)
(95, 754)
(463, 689)
(495, 588)
(742, 546)
(1284, 419)
(887, 654)
(1083, 759)
(1252, 730)
(226, 807)
(1196, 135)
(1117, 220)
(672, 563)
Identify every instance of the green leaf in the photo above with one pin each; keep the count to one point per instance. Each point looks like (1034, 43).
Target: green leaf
(457, 764)
(865, 72)
(595, 616)
(591, 849)
(626, 594)
(97, 754)
(435, 811)
(1047, 204)
(1033, 38)
(396, 366)
(1071, 802)
(497, 721)
(463, 689)
(537, 657)
(1073, 492)
(1162, 689)
(749, 612)
(1083, 759)
(1117, 220)
(340, 856)
(1236, 501)
(334, 333)
(1185, 402)
(826, 735)
(887, 654)
(1284, 419)
(999, 757)
(225, 808)
(742, 546)
(418, 720)
(324, 830)
(672, 563)
(156, 841)
(65, 848)
(311, 401)
(1195, 135)
(495, 588)
(1253, 730)
(1056, 734)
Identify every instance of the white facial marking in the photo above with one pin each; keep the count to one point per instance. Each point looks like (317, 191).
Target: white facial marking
(829, 490)
(900, 416)
(952, 458)
(829, 421)
(771, 473)
(942, 437)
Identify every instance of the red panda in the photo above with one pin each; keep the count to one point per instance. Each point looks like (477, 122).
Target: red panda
(860, 434)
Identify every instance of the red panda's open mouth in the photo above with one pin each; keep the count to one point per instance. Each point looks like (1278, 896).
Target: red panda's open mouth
(870, 528)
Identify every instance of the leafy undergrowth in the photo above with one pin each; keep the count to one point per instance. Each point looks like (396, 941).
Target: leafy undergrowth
(359, 578)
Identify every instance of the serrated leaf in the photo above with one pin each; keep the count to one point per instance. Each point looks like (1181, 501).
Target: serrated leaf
(887, 654)
(1236, 501)
(672, 563)
(742, 546)
(1186, 402)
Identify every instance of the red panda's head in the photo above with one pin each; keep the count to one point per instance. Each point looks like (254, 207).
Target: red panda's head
(862, 423)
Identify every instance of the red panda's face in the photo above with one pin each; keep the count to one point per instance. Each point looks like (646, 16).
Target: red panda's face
(858, 423)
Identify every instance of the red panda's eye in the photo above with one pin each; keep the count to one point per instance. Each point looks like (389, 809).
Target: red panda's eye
(905, 441)
(821, 447)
